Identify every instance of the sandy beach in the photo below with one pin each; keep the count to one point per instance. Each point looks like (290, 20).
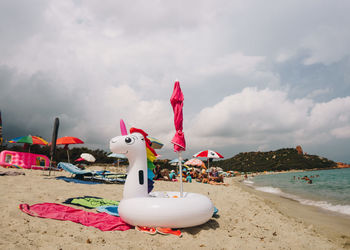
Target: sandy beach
(247, 219)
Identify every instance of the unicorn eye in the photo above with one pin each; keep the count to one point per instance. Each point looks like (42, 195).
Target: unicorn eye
(129, 140)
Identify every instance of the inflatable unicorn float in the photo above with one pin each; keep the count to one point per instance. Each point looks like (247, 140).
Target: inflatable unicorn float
(156, 209)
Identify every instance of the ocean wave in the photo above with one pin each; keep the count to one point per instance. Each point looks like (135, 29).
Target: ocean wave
(343, 209)
(248, 182)
(271, 190)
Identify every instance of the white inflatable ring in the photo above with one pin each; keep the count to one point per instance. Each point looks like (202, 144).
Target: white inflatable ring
(167, 209)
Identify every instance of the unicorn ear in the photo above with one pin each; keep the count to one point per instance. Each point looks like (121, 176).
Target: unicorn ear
(123, 127)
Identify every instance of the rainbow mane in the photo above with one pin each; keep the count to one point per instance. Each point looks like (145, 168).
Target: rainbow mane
(151, 156)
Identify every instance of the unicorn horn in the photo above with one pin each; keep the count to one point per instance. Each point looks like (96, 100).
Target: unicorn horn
(123, 127)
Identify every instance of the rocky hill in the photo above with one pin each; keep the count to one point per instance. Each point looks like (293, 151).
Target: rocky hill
(281, 159)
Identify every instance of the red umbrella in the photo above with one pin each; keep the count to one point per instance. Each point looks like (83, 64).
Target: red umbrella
(178, 140)
(80, 159)
(208, 154)
(176, 100)
(68, 140)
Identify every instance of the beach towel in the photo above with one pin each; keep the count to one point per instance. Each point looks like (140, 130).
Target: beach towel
(67, 179)
(91, 202)
(102, 221)
(10, 173)
(112, 210)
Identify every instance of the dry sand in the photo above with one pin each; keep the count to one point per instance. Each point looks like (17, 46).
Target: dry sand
(247, 220)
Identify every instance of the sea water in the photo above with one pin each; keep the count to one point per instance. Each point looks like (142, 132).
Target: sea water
(330, 189)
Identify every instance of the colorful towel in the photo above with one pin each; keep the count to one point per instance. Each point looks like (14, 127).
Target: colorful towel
(91, 202)
(112, 210)
(67, 179)
(102, 221)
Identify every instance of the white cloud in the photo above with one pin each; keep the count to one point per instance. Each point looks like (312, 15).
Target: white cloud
(327, 44)
(342, 132)
(92, 64)
(269, 117)
(318, 92)
(235, 63)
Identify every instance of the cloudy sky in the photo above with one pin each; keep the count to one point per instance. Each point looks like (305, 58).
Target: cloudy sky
(256, 75)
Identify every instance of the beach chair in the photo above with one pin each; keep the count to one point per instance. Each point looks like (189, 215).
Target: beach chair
(74, 170)
(109, 177)
(101, 176)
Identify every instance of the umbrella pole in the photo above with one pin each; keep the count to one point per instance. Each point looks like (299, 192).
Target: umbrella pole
(180, 171)
(68, 155)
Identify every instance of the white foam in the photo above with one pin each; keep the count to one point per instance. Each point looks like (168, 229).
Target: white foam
(271, 190)
(248, 182)
(343, 209)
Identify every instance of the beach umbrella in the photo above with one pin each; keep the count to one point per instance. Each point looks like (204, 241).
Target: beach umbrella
(29, 140)
(209, 154)
(155, 143)
(195, 162)
(88, 157)
(121, 156)
(66, 141)
(175, 162)
(80, 159)
(178, 140)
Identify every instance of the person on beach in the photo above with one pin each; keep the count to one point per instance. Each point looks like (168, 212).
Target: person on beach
(188, 177)
(214, 176)
(214, 173)
(204, 178)
(172, 175)
(161, 174)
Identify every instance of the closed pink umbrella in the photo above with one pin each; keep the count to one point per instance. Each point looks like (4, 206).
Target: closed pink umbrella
(178, 140)
(176, 100)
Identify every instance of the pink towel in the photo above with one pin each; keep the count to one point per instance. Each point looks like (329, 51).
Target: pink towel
(102, 221)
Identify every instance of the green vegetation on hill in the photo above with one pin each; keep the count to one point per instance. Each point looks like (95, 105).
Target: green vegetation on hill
(282, 159)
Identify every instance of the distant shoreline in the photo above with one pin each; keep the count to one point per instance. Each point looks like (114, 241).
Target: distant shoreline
(291, 171)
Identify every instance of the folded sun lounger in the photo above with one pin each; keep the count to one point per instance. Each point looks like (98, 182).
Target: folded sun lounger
(103, 176)
(74, 170)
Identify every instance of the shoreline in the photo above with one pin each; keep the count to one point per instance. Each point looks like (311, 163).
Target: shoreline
(332, 225)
